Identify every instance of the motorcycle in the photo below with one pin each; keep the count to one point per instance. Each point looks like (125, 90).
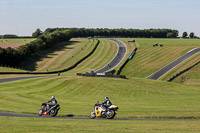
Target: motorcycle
(52, 111)
(100, 111)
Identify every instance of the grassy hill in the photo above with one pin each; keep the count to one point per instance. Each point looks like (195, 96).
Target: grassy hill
(187, 75)
(136, 97)
(192, 77)
(149, 59)
(7, 69)
(105, 52)
(66, 55)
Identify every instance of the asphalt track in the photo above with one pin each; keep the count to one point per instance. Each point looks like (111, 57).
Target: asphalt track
(18, 78)
(117, 59)
(3, 80)
(158, 74)
(84, 118)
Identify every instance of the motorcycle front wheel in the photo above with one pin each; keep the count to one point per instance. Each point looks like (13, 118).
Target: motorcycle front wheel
(40, 112)
(92, 115)
(111, 114)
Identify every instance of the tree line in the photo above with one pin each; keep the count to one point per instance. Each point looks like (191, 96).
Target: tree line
(14, 57)
(52, 36)
(191, 35)
(105, 32)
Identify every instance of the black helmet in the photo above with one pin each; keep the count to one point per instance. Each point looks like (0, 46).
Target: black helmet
(52, 97)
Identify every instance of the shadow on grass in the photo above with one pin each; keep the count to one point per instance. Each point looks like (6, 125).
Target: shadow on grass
(31, 63)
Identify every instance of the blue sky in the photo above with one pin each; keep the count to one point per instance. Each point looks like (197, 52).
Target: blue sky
(22, 17)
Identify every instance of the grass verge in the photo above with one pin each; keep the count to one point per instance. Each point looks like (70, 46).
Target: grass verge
(23, 125)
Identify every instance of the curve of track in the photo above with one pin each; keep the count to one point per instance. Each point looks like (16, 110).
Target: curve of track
(117, 59)
(158, 74)
(67, 117)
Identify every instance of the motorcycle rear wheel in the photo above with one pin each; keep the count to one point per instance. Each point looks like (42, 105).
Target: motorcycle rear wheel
(53, 112)
(111, 115)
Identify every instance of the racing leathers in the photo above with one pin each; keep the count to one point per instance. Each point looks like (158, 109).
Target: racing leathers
(51, 103)
(106, 104)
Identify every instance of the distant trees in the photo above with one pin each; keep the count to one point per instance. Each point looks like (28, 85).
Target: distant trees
(104, 32)
(37, 33)
(191, 35)
(184, 35)
(171, 35)
(15, 57)
(10, 36)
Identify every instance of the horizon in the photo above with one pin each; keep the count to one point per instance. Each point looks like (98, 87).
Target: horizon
(22, 17)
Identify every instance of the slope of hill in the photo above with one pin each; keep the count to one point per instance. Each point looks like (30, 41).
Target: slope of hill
(66, 56)
(105, 52)
(149, 59)
(136, 97)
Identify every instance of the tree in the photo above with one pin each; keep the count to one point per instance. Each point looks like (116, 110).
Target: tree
(191, 35)
(37, 33)
(10, 36)
(170, 35)
(184, 34)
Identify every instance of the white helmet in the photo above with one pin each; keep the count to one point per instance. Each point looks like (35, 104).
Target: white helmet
(52, 97)
(106, 99)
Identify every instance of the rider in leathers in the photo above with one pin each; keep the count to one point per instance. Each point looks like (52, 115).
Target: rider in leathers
(51, 102)
(106, 103)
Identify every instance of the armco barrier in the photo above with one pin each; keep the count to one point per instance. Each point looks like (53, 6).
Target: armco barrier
(64, 70)
(129, 58)
(181, 72)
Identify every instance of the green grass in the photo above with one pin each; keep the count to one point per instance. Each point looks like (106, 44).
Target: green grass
(7, 69)
(21, 40)
(149, 59)
(136, 98)
(24, 125)
(191, 77)
(105, 52)
(191, 61)
(68, 55)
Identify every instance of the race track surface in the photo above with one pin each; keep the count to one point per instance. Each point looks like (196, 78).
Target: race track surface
(117, 59)
(80, 118)
(17, 78)
(158, 74)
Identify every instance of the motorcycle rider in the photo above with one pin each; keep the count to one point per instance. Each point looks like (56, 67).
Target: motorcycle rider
(107, 103)
(51, 102)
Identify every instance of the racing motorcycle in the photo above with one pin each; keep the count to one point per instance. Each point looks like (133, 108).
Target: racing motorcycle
(100, 111)
(52, 111)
